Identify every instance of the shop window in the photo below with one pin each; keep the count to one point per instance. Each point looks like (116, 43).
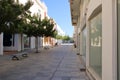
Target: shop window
(96, 44)
(26, 42)
(8, 40)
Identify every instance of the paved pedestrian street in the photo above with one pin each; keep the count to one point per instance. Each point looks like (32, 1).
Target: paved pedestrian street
(57, 63)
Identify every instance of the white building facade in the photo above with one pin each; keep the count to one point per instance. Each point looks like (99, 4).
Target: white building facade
(61, 33)
(96, 24)
(59, 30)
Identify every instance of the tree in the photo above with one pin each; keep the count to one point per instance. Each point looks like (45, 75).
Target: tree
(66, 38)
(12, 15)
(34, 28)
(38, 28)
(48, 26)
(59, 37)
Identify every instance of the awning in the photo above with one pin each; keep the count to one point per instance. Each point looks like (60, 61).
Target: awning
(75, 11)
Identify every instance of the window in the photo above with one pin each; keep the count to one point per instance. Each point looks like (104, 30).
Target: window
(84, 34)
(95, 46)
(8, 40)
(26, 41)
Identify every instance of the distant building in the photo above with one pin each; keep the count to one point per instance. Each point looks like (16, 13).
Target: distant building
(59, 30)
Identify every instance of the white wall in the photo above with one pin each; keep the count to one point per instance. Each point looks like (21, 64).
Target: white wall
(32, 44)
(1, 44)
(37, 5)
(109, 32)
(92, 6)
(18, 42)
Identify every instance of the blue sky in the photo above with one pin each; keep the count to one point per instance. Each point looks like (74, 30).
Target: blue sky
(60, 11)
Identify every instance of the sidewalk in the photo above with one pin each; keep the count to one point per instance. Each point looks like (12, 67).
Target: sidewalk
(7, 56)
(58, 63)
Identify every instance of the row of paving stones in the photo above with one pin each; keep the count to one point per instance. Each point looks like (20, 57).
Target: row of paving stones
(58, 63)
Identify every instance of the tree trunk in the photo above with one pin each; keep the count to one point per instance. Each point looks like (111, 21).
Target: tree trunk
(21, 42)
(36, 44)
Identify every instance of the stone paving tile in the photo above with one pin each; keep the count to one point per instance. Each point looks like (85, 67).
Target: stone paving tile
(66, 78)
(77, 79)
(56, 78)
(59, 63)
(60, 74)
(67, 69)
(41, 78)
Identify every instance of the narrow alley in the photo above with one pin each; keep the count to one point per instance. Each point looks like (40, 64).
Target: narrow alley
(57, 63)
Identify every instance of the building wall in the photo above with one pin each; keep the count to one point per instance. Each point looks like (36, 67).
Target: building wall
(48, 41)
(1, 44)
(32, 42)
(108, 46)
(93, 5)
(108, 51)
(118, 32)
(59, 30)
(37, 8)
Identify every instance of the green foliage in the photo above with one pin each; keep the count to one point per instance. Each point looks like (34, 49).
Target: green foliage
(37, 27)
(59, 37)
(32, 26)
(16, 18)
(48, 26)
(12, 15)
(66, 38)
(55, 34)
